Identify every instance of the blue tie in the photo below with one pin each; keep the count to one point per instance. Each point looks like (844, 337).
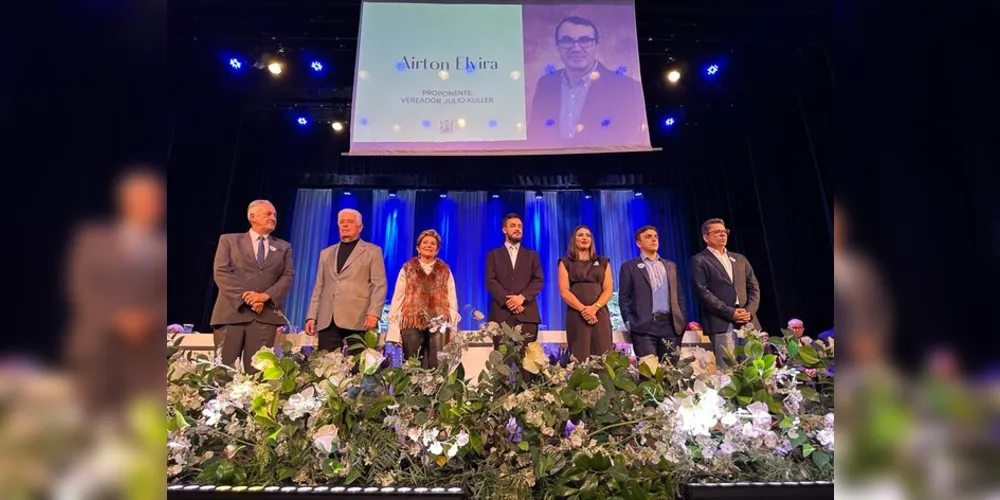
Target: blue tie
(260, 251)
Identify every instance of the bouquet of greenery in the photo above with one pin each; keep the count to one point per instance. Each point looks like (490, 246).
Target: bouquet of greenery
(530, 426)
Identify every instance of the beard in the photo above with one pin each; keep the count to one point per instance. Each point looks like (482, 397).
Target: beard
(513, 239)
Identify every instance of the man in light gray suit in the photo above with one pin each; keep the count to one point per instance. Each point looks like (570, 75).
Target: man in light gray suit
(350, 288)
(253, 271)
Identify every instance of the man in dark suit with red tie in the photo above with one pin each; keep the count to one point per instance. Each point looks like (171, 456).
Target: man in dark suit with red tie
(726, 288)
(514, 280)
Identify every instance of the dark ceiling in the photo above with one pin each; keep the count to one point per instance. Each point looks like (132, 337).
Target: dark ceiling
(204, 33)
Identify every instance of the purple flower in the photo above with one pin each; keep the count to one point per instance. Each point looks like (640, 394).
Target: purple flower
(638, 426)
(392, 390)
(278, 352)
(513, 431)
(569, 428)
(307, 350)
(175, 328)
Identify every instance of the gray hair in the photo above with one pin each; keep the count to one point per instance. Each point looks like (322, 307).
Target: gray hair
(350, 211)
(256, 203)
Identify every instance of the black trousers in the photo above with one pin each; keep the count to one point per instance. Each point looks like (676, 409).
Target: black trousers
(332, 337)
(422, 344)
(645, 344)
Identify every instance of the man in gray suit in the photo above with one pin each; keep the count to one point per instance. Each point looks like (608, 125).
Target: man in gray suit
(350, 288)
(726, 288)
(253, 271)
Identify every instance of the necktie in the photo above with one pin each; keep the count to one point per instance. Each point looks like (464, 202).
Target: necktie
(260, 251)
(513, 256)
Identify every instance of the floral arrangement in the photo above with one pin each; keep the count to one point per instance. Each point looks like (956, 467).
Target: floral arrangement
(532, 425)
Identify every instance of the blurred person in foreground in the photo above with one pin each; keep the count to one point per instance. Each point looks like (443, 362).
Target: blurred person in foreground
(424, 303)
(253, 271)
(117, 284)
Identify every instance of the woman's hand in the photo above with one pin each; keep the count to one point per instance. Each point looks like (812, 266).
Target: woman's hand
(589, 313)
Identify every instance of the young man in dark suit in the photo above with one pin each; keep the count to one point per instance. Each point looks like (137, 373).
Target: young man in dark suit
(650, 298)
(514, 280)
(726, 288)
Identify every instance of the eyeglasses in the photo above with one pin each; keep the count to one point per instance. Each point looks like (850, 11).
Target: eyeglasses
(585, 42)
(718, 232)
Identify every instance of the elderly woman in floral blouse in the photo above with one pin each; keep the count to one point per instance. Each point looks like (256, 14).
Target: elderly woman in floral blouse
(424, 304)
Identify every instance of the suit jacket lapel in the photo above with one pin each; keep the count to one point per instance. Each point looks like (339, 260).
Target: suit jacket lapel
(715, 261)
(517, 260)
(333, 261)
(270, 254)
(246, 242)
(738, 271)
(644, 272)
(358, 250)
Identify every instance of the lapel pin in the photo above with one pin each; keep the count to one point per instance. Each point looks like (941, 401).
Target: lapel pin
(641, 265)
(274, 249)
(732, 259)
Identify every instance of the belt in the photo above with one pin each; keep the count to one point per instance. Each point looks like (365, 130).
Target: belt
(662, 316)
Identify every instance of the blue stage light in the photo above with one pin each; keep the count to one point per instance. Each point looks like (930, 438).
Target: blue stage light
(496, 196)
(347, 193)
(317, 66)
(303, 121)
(426, 123)
(638, 194)
(392, 193)
(444, 194)
(712, 69)
(669, 122)
(538, 195)
(235, 63)
(492, 123)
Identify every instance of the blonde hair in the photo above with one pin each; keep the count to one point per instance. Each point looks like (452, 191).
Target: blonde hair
(429, 233)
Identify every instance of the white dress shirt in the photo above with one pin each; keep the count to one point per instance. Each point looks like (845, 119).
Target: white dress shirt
(723, 257)
(267, 242)
(399, 293)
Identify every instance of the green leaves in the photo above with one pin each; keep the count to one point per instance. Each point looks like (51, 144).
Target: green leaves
(808, 355)
(821, 458)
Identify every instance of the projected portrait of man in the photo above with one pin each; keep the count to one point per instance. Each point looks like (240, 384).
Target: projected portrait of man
(584, 103)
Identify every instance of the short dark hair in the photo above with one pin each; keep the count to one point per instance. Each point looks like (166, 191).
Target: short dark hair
(709, 222)
(580, 21)
(641, 230)
(509, 217)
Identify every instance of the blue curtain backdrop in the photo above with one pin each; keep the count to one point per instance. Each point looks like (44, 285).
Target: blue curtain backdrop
(469, 223)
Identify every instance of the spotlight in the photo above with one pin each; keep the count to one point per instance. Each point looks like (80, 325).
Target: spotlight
(337, 126)
(443, 194)
(392, 193)
(674, 76)
(347, 193)
(495, 196)
(316, 66)
(669, 122)
(538, 195)
(713, 69)
(303, 121)
(274, 68)
(587, 195)
(235, 63)
(638, 194)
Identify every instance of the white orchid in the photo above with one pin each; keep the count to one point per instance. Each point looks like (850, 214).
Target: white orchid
(301, 404)
(371, 360)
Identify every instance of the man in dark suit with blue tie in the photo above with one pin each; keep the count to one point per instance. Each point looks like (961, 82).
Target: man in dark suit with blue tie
(649, 297)
(253, 271)
(726, 288)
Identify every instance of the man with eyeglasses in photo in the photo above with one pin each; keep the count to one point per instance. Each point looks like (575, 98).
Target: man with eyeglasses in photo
(726, 288)
(585, 103)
